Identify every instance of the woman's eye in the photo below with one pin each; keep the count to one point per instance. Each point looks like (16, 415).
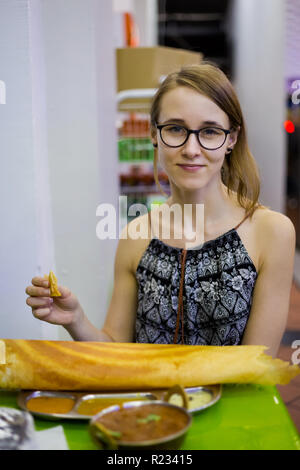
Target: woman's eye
(210, 132)
(175, 129)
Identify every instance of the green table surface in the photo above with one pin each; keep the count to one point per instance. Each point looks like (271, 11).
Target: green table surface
(250, 417)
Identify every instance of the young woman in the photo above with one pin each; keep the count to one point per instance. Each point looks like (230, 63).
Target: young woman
(234, 287)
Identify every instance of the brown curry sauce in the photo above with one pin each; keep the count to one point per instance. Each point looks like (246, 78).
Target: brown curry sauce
(135, 424)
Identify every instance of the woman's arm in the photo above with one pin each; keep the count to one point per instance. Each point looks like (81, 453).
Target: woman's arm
(120, 318)
(66, 310)
(271, 297)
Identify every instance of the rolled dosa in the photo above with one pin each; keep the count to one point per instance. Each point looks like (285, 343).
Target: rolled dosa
(93, 366)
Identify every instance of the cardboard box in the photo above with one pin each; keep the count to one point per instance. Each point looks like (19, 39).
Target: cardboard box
(146, 67)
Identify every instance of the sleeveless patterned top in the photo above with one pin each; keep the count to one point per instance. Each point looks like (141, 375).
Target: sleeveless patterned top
(199, 296)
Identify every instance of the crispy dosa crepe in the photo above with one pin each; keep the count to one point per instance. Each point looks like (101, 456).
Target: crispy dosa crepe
(2, 353)
(93, 366)
(54, 292)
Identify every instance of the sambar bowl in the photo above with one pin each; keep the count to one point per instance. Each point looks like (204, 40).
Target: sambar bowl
(141, 425)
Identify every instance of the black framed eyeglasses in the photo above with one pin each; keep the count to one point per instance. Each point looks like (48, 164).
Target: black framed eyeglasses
(210, 138)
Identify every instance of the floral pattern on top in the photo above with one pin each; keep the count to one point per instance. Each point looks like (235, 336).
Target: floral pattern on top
(219, 279)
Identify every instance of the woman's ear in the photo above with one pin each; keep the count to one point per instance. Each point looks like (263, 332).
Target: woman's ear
(234, 136)
(154, 137)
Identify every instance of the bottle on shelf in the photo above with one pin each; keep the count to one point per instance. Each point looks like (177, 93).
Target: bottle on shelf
(136, 153)
(134, 144)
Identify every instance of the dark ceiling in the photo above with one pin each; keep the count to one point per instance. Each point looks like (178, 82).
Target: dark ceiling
(197, 25)
(203, 6)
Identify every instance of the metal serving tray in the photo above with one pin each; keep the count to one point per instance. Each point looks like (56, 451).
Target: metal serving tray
(24, 396)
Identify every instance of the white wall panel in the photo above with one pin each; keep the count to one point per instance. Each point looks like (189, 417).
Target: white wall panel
(58, 153)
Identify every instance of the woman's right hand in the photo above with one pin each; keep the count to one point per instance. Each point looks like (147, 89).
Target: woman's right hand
(64, 310)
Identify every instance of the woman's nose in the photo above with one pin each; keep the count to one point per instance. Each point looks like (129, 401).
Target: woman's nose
(192, 146)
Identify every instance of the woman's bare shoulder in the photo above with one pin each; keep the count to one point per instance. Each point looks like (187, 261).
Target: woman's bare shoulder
(134, 239)
(269, 219)
(137, 228)
(271, 232)
(274, 228)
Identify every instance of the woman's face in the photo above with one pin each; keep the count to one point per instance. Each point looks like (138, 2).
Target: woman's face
(191, 166)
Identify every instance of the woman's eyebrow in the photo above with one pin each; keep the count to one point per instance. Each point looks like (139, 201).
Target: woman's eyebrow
(213, 123)
(182, 121)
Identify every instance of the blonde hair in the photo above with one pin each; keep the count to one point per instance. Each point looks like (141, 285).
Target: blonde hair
(239, 172)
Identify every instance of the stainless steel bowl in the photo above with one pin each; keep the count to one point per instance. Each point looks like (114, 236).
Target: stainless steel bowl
(105, 439)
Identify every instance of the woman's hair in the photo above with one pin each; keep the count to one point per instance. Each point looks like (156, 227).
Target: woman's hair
(239, 172)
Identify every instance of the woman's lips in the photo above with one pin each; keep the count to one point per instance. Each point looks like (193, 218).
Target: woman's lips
(192, 168)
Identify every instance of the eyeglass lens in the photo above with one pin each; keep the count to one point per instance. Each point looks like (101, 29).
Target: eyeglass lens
(209, 137)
